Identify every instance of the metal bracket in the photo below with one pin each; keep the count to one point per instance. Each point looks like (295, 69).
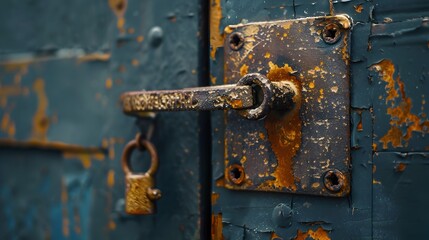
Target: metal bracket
(305, 150)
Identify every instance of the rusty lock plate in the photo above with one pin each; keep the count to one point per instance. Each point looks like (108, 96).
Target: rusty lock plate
(305, 150)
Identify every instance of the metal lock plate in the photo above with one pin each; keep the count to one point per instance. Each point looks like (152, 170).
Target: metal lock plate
(305, 150)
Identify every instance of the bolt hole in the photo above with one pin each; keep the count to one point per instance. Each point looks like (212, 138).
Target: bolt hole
(235, 173)
(331, 33)
(333, 180)
(236, 41)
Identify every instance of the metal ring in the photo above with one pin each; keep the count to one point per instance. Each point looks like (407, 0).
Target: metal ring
(267, 89)
(143, 144)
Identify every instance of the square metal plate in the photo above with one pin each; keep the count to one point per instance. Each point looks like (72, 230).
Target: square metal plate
(292, 151)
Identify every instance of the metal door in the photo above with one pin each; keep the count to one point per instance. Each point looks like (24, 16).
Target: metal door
(63, 67)
(389, 126)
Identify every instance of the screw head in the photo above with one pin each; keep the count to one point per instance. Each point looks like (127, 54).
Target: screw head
(235, 173)
(334, 180)
(331, 33)
(236, 41)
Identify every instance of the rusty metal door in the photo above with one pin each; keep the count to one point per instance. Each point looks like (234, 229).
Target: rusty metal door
(388, 122)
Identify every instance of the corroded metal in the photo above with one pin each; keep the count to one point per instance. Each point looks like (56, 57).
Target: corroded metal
(243, 96)
(290, 151)
(140, 192)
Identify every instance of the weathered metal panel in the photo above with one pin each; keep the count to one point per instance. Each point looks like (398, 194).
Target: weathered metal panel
(65, 101)
(383, 30)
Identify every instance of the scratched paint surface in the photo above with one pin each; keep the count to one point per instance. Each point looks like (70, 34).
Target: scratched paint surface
(388, 115)
(63, 67)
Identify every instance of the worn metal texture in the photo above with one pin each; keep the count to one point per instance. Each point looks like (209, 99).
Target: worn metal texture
(63, 67)
(388, 58)
(292, 151)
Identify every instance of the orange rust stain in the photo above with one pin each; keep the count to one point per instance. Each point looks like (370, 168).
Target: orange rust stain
(109, 83)
(102, 57)
(262, 136)
(216, 37)
(311, 85)
(267, 55)
(274, 236)
(216, 229)
(250, 56)
(213, 79)
(85, 158)
(7, 125)
(359, 126)
(111, 178)
(140, 39)
(400, 114)
(215, 197)
(319, 234)
(220, 182)
(244, 69)
(400, 167)
(112, 225)
(119, 7)
(374, 147)
(12, 90)
(358, 8)
(284, 132)
(135, 62)
(40, 119)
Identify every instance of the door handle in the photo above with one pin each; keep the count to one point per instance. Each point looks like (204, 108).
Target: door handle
(254, 96)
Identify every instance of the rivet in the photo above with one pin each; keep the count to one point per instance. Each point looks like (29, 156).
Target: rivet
(334, 180)
(236, 174)
(282, 216)
(236, 41)
(331, 33)
(155, 36)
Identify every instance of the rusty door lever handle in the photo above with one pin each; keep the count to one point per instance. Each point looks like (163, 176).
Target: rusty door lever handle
(254, 96)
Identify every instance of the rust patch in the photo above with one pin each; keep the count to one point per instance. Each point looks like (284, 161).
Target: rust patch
(7, 125)
(111, 178)
(215, 197)
(274, 236)
(102, 57)
(400, 114)
(319, 234)
(400, 167)
(358, 8)
(217, 227)
(216, 37)
(109, 83)
(284, 132)
(140, 39)
(119, 7)
(40, 119)
(359, 126)
(244, 69)
(12, 90)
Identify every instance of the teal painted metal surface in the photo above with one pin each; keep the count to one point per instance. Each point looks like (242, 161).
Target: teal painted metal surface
(385, 203)
(63, 66)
